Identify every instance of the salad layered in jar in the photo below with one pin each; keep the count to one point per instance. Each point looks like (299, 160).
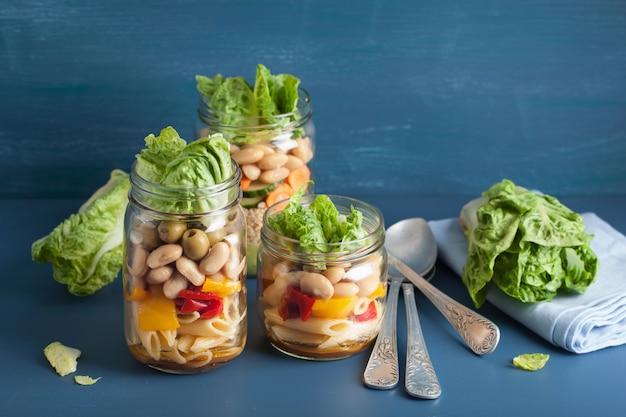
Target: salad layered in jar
(184, 252)
(269, 126)
(322, 272)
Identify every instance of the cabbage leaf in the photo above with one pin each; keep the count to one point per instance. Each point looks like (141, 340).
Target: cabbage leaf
(529, 245)
(85, 250)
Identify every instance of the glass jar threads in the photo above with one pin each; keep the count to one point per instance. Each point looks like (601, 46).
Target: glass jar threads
(275, 154)
(184, 275)
(323, 301)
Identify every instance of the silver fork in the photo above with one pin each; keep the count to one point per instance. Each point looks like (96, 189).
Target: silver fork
(421, 380)
(382, 370)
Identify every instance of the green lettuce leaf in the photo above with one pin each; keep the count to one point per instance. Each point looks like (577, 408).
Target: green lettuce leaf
(530, 245)
(186, 169)
(207, 86)
(85, 250)
(237, 103)
(319, 228)
(158, 153)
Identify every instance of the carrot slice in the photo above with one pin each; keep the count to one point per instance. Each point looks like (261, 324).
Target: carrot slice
(245, 182)
(282, 192)
(299, 177)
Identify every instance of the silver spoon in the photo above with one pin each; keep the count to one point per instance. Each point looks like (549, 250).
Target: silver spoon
(408, 244)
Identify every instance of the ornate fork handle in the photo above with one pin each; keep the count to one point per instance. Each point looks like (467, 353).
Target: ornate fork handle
(480, 334)
(382, 370)
(421, 380)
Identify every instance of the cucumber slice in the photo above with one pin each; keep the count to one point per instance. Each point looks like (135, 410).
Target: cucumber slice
(251, 202)
(259, 189)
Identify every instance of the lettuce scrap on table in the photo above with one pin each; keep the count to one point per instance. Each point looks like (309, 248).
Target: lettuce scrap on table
(530, 245)
(237, 103)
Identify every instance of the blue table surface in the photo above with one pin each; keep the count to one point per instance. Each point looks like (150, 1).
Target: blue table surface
(35, 310)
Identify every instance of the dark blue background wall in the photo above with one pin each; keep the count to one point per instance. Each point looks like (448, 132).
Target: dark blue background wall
(427, 97)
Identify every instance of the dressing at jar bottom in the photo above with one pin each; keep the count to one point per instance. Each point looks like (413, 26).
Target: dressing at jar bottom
(305, 348)
(209, 360)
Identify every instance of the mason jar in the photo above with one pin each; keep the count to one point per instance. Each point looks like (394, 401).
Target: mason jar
(184, 276)
(323, 306)
(275, 156)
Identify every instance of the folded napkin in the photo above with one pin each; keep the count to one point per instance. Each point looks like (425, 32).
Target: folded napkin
(579, 323)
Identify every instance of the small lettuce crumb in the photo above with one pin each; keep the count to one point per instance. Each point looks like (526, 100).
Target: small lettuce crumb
(531, 361)
(85, 380)
(64, 359)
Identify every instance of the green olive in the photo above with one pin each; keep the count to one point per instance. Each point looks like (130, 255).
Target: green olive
(195, 244)
(171, 231)
(217, 235)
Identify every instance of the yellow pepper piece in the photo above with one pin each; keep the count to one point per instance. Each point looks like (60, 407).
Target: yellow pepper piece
(221, 288)
(137, 294)
(380, 291)
(157, 312)
(334, 308)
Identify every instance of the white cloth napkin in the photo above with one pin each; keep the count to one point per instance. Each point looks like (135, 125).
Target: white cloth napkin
(578, 323)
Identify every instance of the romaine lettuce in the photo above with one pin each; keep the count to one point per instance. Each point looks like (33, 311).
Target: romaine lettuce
(186, 168)
(319, 228)
(529, 245)
(237, 103)
(86, 249)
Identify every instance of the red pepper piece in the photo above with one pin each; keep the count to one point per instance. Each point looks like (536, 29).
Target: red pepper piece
(295, 303)
(198, 295)
(213, 309)
(190, 305)
(287, 311)
(368, 314)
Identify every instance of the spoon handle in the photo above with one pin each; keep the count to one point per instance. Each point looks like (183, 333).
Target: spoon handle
(480, 334)
(381, 371)
(421, 380)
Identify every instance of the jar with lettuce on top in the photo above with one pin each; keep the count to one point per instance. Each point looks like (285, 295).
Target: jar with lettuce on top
(269, 125)
(321, 284)
(184, 248)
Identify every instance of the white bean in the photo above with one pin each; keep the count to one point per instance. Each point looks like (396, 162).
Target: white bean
(272, 161)
(293, 162)
(189, 269)
(251, 171)
(345, 289)
(316, 285)
(274, 175)
(274, 292)
(304, 150)
(368, 284)
(248, 155)
(174, 285)
(279, 269)
(266, 148)
(159, 275)
(137, 266)
(164, 255)
(334, 274)
(234, 265)
(215, 259)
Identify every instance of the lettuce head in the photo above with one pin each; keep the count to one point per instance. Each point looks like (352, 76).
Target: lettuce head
(529, 245)
(85, 250)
